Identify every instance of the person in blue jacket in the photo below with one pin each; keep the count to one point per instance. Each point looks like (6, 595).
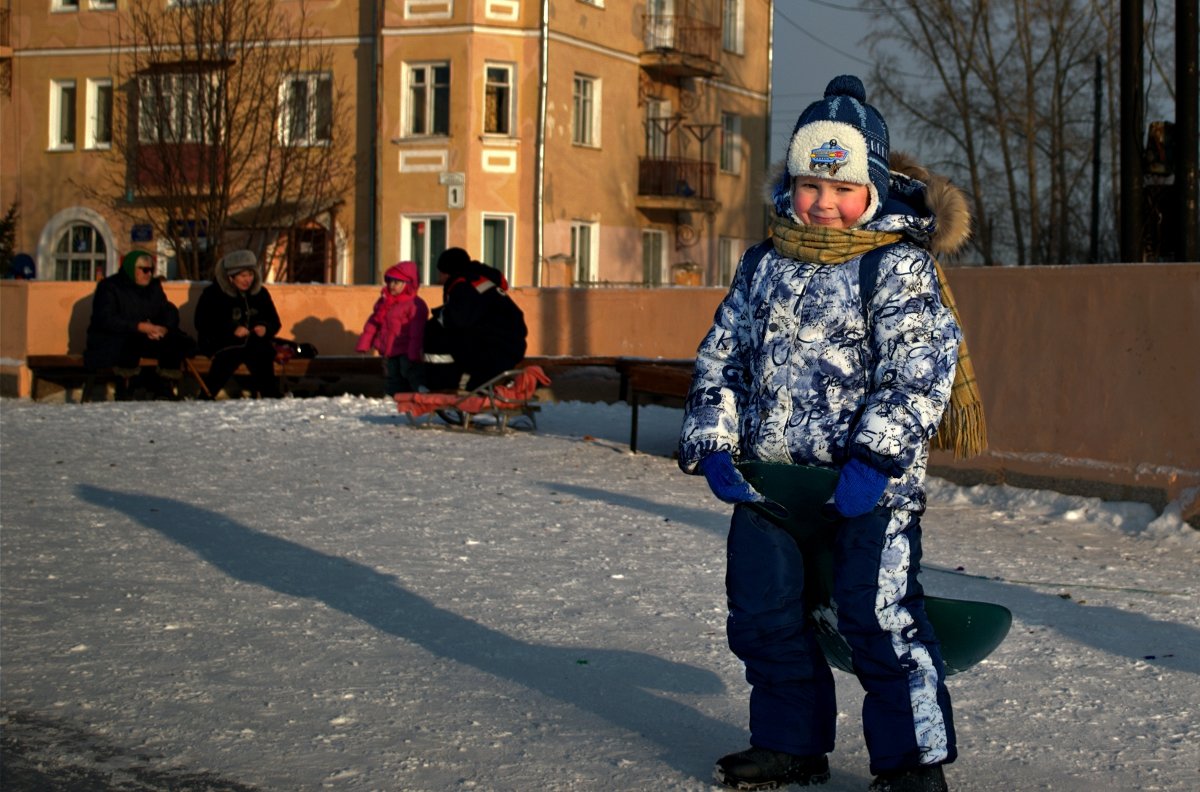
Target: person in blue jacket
(805, 364)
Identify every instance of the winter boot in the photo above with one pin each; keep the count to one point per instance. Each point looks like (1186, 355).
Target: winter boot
(761, 768)
(927, 778)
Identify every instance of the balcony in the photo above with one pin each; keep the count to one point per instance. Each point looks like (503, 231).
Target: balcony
(173, 169)
(677, 184)
(679, 46)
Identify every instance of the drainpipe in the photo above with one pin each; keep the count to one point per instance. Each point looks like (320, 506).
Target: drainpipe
(373, 223)
(766, 216)
(539, 187)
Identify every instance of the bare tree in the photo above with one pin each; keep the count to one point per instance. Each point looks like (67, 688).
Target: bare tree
(1003, 89)
(229, 130)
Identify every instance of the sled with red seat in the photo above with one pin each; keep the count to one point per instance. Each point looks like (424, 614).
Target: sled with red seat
(509, 396)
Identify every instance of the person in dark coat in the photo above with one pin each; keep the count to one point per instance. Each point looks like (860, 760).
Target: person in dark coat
(483, 328)
(133, 319)
(237, 322)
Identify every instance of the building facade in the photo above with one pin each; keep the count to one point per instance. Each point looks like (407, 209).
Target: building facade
(566, 142)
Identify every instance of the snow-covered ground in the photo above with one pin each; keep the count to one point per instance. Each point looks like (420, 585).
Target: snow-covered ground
(311, 594)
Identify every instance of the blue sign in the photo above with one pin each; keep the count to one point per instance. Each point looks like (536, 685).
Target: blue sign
(142, 232)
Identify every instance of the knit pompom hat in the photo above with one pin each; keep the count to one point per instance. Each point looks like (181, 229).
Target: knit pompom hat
(839, 137)
(453, 261)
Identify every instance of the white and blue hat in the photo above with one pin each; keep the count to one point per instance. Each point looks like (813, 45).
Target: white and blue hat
(839, 137)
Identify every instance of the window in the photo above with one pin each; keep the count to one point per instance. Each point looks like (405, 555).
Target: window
(660, 24)
(583, 250)
(732, 25)
(653, 258)
(100, 113)
(422, 239)
(429, 99)
(64, 5)
(62, 115)
(498, 243)
(731, 140)
(727, 260)
(306, 110)
(80, 253)
(179, 107)
(658, 127)
(497, 102)
(586, 99)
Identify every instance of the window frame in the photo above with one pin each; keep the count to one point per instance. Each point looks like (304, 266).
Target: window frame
(728, 256)
(654, 274)
(585, 111)
(657, 139)
(730, 154)
(184, 117)
(59, 123)
(91, 140)
(429, 103)
(426, 257)
(586, 255)
(487, 246)
(733, 26)
(507, 90)
(91, 265)
(318, 87)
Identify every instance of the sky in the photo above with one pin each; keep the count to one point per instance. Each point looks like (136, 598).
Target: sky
(815, 41)
(312, 594)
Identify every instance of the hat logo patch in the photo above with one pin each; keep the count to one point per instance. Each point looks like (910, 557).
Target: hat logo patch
(828, 157)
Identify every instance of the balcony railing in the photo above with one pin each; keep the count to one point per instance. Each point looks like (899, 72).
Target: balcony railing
(680, 45)
(676, 178)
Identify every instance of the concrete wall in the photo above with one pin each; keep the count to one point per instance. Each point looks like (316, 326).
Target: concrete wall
(1087, 372)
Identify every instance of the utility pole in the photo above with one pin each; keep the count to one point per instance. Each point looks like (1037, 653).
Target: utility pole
(1187, 130)
(1094, 248)
(1132, 102)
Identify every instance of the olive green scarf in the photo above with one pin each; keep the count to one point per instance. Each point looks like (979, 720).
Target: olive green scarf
(963, 429)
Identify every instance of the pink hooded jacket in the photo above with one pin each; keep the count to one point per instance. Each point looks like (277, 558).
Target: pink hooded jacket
(396, 326)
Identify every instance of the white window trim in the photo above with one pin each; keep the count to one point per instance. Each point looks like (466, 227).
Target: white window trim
(739, 33)
(511, 69)
(93, 92)
(313, 79)
(429, 276)
(59, 7)
(56, 111)
(591, 275)
(596, 3)
(594, 116)
(510, 224)
(662, 276)
(102, 5)
(180, 95)
(54, 227)
(431, 107)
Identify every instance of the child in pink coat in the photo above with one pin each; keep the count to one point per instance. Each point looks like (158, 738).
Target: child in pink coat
(396, 328)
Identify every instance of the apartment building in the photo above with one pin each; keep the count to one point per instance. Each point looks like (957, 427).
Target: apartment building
(566, 142)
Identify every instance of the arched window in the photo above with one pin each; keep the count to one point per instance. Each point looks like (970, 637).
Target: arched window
(80, 253)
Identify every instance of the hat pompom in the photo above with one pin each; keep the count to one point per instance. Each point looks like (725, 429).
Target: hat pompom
(846, 85)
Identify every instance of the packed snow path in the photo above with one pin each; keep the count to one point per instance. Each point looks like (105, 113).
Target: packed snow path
(310, 594)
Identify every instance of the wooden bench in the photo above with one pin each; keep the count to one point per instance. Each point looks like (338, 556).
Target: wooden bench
(670, 379)
(68, 370)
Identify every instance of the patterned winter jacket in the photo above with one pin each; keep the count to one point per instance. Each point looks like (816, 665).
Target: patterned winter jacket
(796, 369)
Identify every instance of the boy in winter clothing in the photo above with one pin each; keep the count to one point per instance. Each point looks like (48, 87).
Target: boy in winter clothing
(132, 319)
(396, 328)
(237, 323)
(805, 364)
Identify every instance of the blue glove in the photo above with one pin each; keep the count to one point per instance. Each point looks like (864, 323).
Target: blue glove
(728, 485)
(859, 488)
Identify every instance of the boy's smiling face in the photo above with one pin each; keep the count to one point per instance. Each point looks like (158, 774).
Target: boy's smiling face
(829, 203)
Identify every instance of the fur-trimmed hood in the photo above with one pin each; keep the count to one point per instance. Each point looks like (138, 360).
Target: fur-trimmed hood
(236, 261)
(927, 207)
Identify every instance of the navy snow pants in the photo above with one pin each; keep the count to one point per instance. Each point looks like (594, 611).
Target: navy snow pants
(907, 719)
